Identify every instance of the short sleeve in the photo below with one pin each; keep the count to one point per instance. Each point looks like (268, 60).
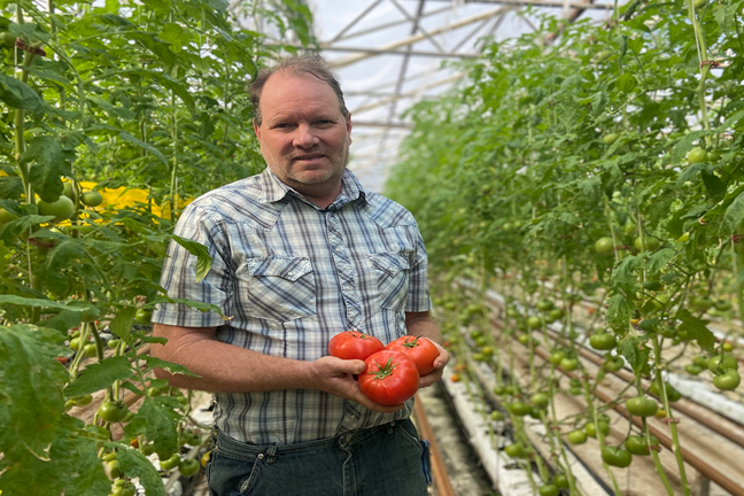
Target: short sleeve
(418, 286)
(179, 272)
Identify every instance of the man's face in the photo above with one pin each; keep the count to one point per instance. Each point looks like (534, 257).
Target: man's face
(304, 137)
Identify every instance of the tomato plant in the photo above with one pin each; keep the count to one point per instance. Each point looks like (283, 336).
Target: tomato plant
(420, 350)
(354, 345)
(391, 378)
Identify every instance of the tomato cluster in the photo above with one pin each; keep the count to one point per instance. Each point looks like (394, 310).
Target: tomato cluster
(392, 372)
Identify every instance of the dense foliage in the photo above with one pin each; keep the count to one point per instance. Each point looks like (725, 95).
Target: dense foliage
(602, 164)
(113, 114)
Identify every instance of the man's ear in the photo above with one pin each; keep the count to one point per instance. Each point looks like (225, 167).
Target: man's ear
(348, 125)
(257, 130)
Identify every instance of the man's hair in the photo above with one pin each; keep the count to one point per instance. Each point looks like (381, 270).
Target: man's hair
(300, 65)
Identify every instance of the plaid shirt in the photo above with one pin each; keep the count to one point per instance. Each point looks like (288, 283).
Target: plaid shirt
(291, 275)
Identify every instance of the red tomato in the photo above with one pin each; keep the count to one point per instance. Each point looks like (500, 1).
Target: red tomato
(420, 350)
(351, 345)
(390, 379)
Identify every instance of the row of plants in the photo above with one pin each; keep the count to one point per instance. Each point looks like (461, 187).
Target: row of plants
(603, 165)
(112, 115)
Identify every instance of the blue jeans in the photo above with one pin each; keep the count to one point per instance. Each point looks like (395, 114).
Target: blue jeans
(384, 460)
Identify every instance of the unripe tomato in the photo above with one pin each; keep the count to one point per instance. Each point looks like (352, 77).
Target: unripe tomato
(549, 490)
(616, 457)
(569, 364)
(7, 39)
(519, 408)
(188, 467)
(722, 363)
(591, 429)
(91, 198)
(636, 445)
(516, 450)
(604, 246)
(540, 400)
(610, 138)
(112, 411)
(603, 341)
(6, 216)
(650, 243)
(696, 155)
(534, 322)
(143, 316)
(577, 437)
(561, 481)
(62, 209)
(641, 407)
(693, 369)
(90, 350)
(728, 381)
(170, 463)
(497, 415)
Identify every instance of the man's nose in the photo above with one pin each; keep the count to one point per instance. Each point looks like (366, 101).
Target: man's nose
(305, 136)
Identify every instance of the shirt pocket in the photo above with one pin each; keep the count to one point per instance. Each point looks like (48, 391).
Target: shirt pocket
(278, 288)
(392, 279)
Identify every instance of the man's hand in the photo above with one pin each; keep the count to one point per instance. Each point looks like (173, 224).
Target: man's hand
(336, 376)
(439, 363)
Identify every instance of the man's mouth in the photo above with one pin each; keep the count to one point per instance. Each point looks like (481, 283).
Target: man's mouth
(309, 156)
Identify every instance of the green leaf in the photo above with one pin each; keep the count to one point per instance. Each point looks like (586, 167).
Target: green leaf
(697, 329)
(659, 259)
(733, 216)
(145, 146)
(31, 383)
(619, 311)
(134, 464)
(636, 353)
(201, 252)
(97, 376)
(624, 277)
(17, 94)
(158, 423)
(36, 302)
(49, 168)
(121, 326)
(173, 368)
(714, 186)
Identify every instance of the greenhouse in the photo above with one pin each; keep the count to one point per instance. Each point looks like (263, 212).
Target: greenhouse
(367, 248)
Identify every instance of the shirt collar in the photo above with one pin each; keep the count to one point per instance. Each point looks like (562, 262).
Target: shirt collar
(274, 190)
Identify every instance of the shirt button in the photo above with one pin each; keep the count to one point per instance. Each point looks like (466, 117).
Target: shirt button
(291, 274)
(260, 456)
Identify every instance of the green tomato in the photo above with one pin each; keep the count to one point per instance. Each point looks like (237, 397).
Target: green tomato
(699, 4)
(170, 463)
(113, 343)
(6, 216)
(519, 408)
(577, 437)
(609, 139)
(591, 429)
(603, 341)
(616, 457)
(497, 415)
(112, 411)
(576, 391)
(549, 490)
(540, 400)
(545, 305)
(62, 209)
(90, 350)
(556, 357)
(672, 393)
(613, 364)
(82, 400)
(534, 322)
(651, 244)
(561, 481)
(693, 369)
(556, 314)
(75, 343)
(641, 407)
(143, 316)
(604, 246)
(636, 445)
(91, 198)
(569, 364)
(188, 467)
(114, 468)
(7, 39)
(722, 363)
(728, 381)
(696, 155)
(516, 450)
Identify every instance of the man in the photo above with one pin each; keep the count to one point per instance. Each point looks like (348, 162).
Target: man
(300, 253)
